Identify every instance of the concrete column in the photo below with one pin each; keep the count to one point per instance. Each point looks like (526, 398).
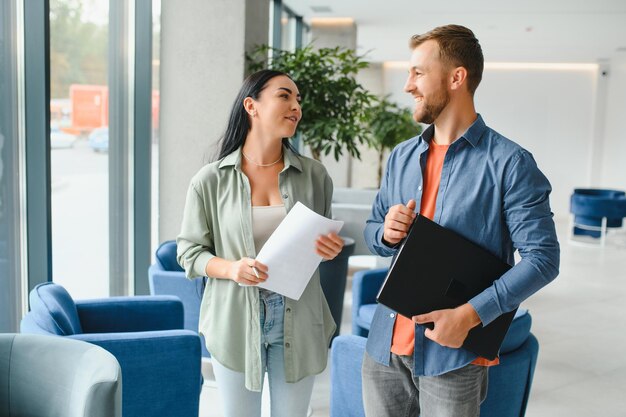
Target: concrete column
(203, 48)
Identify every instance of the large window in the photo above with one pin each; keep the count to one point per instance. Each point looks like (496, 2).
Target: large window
(79, 142)
(102, 108)
(10, 219)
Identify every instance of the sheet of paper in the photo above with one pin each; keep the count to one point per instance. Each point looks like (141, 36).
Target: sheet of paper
(289, 253)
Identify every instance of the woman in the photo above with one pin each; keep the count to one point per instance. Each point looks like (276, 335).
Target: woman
(233, 205)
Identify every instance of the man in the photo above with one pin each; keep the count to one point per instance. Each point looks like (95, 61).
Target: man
(470, 179)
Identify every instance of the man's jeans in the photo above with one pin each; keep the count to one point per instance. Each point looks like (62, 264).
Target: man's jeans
(286, 399)
(392, 391)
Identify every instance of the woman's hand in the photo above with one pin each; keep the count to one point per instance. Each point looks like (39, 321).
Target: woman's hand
(247, 271)
(328, 246)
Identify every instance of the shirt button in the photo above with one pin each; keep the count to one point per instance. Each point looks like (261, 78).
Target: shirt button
(287, 345)
(419, 188)
(288, 309)
(285, 196)
(392, 315)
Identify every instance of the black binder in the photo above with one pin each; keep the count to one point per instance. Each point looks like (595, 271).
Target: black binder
(436, 269)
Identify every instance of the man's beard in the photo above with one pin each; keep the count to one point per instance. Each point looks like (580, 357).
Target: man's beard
(433, 107)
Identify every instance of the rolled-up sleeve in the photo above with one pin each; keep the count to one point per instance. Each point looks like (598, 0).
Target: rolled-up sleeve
(531, 227)
(195, 243)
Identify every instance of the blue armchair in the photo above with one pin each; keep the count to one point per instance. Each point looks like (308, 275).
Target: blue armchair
(509, 382)
(594, 211)
(160, 361)
(166, 277)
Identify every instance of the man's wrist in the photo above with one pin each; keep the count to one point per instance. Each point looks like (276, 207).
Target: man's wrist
(389, 245)
(470, 315)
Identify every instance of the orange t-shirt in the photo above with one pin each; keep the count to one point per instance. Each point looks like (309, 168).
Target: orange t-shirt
(403, 341)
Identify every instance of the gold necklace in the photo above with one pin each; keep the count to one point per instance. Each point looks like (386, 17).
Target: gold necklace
(262, 165)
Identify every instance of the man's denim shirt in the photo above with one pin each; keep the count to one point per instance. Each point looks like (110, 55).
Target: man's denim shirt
(491, 192)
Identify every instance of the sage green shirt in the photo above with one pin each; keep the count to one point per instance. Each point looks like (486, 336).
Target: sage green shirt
(217, 221)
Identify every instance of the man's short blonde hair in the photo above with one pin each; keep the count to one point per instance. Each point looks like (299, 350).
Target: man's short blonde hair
(458, 47)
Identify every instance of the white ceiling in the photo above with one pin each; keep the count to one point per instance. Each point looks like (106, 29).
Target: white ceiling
(509, 31)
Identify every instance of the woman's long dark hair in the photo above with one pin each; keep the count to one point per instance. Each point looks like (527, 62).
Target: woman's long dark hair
(238, 122)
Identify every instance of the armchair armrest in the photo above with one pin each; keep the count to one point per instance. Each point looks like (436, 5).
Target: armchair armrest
(130, 314)
(346, 359)
(161, 370)
(55, 376)
(365, 287)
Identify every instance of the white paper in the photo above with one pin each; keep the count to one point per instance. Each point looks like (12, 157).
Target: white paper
(289, 253)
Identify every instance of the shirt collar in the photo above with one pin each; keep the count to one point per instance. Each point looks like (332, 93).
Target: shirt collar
(472, 134)
(289, 157)
(475, 131)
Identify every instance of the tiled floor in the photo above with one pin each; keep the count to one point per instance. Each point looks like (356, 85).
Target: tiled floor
(580, 321)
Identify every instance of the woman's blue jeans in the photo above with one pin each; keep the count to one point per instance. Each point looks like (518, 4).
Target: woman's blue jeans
(286, 399)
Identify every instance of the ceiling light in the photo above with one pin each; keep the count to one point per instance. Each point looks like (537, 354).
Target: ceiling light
(543, 66)
(332, 21)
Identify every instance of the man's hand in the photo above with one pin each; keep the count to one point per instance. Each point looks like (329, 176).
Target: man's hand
(451, 325)
(397, 222)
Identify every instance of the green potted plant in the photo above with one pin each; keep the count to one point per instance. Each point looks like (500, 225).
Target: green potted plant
(335, 104)
(389, 125)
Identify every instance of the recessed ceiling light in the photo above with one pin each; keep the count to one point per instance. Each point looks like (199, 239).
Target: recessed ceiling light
(321, 9)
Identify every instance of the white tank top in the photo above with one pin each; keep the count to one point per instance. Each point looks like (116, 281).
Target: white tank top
(265, 219)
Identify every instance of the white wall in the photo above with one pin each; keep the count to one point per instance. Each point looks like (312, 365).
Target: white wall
(329, 36)
(613, 169)
(365, 173)
(550, 113)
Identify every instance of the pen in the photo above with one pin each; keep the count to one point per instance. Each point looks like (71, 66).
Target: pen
(255, 272)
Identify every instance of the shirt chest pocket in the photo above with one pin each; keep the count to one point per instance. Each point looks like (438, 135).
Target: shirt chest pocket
(476, 205)
(231, 224)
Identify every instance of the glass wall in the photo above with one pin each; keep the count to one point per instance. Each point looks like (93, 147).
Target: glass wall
(10, 304)
(156, 81)
(287, 29)
(79, 144)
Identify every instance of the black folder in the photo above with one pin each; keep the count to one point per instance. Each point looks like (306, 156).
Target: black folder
(436, 269)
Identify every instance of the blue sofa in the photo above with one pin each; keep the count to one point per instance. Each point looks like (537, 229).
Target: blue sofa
(160, 361)
(166, 277)
(509, 382)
